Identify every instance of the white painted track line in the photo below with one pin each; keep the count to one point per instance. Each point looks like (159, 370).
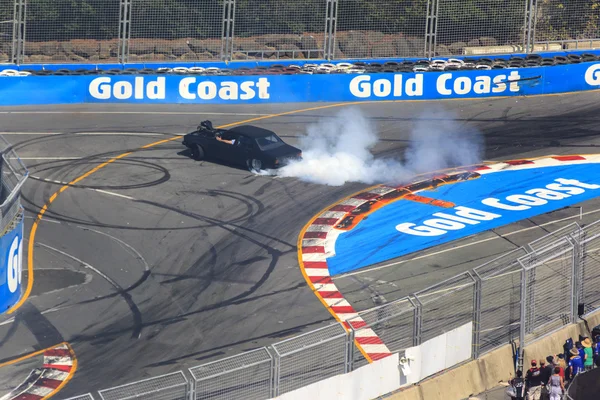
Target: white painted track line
(364, 271)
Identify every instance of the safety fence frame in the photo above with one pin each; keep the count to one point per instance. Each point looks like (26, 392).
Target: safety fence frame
(506, 299)
(225, 30)
(14, 174)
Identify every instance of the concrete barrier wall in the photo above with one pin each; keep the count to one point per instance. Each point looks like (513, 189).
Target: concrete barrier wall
(491, 369)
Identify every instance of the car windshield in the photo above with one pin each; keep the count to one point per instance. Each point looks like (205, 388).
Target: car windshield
(269, 142)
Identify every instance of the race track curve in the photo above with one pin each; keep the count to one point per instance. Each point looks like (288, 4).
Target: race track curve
(156, 262)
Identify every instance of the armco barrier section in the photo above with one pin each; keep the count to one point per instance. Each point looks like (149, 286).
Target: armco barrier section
(503, 301)
(147, 89)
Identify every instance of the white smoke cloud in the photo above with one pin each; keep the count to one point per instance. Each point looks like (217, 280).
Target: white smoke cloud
(338, 150)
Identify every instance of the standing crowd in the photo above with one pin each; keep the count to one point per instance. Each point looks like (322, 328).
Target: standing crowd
(548, 380)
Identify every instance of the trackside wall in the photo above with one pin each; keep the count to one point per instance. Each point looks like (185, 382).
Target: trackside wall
(489, 370)
(148, 89)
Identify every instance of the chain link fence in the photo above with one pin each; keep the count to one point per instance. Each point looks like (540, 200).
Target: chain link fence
(481, 27)
(108, 31)
(519, 296)
(174, 31)
(380, 29)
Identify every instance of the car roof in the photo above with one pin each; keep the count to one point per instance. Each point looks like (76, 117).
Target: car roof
(251, 131)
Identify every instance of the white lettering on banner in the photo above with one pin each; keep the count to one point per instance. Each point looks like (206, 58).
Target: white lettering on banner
(104, 88)
(592, 75)
(362, 87)
(208, 90)
(14, 265)
(560, 189)
(482, 84)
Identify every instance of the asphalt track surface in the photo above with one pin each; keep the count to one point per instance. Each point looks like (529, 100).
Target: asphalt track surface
(156, 262)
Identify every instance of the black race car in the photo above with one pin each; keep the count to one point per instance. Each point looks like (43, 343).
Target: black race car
(246, 145)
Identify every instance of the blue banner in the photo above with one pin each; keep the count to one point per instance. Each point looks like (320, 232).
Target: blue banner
(169, 89)
(11, 267)
(479, 205)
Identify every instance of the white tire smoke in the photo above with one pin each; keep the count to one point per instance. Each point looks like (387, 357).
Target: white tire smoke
(337, 150)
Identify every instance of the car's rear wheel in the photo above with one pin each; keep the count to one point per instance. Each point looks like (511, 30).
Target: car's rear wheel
(197, 152)
(254, 165)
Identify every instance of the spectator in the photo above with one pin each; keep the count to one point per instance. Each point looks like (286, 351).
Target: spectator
(596, 346)
(567, 348)
(545, 371)
(518, 384)
(562, 365)
(533, 382)
(589, 354)
(545, 374)
(575, 364)
(556, 385)
(580, 350)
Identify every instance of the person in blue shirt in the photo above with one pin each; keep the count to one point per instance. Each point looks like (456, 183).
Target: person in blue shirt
(580, 350)
(575, 363)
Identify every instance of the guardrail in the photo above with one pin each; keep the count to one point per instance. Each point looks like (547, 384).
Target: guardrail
(506, 299)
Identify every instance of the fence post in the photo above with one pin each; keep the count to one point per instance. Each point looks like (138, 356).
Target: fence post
(530, 9)
(19, 24)
(124, 31)
(418, 322)
(350, 349)
(228, 30)
(330, 29)
(431, 28)
(523, 322)
(577, 284)
(276, 372)
(476, 316)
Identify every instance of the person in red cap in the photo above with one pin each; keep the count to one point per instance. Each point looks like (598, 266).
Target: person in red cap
(533, 381)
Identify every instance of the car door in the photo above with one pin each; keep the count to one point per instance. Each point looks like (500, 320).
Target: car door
(241, 150)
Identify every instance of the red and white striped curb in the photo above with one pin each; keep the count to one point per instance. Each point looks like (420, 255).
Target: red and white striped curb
(319, 237)
(42, 382)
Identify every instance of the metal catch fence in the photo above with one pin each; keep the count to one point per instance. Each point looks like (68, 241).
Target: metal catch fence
(505, 299)
(41, 31)
(14, 174)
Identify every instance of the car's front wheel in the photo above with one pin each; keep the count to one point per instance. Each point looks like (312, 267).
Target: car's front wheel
(197, 152)
(254, 165)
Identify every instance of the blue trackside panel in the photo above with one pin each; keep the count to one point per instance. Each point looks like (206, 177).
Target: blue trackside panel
(488, 202)
(174, 89)
(11, 266)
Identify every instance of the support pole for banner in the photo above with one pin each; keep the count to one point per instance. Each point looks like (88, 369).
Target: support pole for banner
(124, 31)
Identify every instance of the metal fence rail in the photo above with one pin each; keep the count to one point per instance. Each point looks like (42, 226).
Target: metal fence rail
(245, 376)
(174, 386)
(311, 357)
(36, 31)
